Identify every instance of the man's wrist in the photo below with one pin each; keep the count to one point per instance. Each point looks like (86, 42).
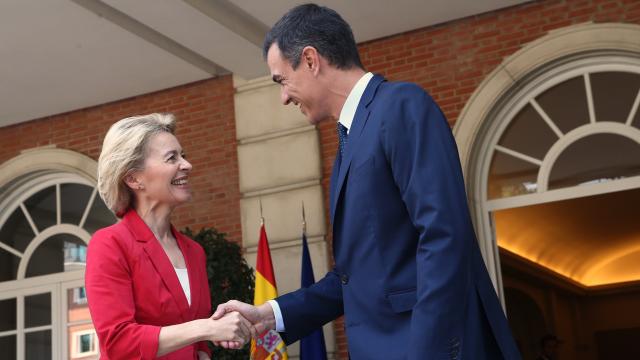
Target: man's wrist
(266, 316)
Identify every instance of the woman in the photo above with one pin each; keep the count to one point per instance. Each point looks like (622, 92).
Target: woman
(146, 283)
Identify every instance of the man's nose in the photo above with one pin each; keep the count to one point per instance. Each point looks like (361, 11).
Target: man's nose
(284, 97)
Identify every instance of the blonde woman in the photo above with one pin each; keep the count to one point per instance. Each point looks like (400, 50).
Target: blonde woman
(146, 282)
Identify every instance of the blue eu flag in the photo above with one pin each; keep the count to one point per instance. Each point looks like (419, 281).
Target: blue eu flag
(311, 347)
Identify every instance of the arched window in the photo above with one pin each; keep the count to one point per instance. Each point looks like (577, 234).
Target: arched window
(577, 129)
(556, 121)
(573, 133)
(46, 223)
(48, 211)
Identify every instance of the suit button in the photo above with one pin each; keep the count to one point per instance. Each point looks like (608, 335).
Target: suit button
(344, 279)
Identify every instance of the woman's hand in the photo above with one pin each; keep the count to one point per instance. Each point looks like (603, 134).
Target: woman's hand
(232, 327)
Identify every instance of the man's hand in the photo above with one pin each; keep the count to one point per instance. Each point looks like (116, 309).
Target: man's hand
(261, 318)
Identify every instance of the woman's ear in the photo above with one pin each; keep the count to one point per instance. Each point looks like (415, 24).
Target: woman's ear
(133, 182)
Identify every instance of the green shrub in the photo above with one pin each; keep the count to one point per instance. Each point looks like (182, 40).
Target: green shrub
(230, 277)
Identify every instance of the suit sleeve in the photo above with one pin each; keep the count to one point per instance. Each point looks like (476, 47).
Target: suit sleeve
(110, 296)
(307, 309)
(421, 151)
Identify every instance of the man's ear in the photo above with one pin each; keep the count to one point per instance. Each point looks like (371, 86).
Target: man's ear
(133, 182)
(310, 59)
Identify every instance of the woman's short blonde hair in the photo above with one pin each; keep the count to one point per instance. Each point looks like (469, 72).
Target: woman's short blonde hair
(123, 152)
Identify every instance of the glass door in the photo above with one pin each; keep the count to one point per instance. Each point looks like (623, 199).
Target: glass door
(28, 323)
(78, 334)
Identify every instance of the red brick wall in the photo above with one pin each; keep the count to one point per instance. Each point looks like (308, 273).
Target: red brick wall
(450, 60)
(205, 128)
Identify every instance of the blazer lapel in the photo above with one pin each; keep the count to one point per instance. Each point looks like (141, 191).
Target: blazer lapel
(159, 259)
(355, 132)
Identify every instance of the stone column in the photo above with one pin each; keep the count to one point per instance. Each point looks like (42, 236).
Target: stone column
(280, 165)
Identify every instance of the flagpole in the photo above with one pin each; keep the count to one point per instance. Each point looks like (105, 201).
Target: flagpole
(268, 345)
(261, 217)
(304, 220)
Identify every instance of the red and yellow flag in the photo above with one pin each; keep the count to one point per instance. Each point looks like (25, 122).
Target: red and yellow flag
(268, 345)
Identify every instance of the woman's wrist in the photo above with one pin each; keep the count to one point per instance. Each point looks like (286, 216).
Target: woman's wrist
(204, 329)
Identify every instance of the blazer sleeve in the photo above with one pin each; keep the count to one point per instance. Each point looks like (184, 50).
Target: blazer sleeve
(420, 148)
(307, 309)
(110, 296)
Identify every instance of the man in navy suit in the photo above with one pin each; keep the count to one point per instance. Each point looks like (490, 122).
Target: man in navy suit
(408, 276)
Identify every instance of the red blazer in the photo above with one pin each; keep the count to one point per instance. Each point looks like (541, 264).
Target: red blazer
(133, 290)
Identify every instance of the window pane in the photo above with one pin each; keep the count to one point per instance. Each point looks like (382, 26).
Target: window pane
(42, 207)
(7, 315)
(566, 104)
(8, 266)
(8, 346)
(38, 345)
(59, 253)
(86, 343)
(74, 199)
(17, 232)
(596, 158)
(37, 310)
(528, 134)
(613, 94)
(510, 176)
(636, 119)
(100, 216)
(77, 305)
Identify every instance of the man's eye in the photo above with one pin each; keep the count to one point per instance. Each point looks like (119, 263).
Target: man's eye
(184, 156)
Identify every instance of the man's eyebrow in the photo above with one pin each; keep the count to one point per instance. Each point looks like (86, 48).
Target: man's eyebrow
(277, 78)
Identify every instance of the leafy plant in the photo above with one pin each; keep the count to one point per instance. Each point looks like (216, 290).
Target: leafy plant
(230, 277)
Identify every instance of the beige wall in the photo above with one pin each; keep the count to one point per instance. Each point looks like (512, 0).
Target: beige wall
(280, 167)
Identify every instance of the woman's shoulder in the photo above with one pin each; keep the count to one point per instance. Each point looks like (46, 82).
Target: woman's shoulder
(117, 232)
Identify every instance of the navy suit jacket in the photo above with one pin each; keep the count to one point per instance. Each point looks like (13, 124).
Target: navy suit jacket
(408, 276)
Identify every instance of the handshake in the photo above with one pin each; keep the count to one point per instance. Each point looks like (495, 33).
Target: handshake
(234, 323)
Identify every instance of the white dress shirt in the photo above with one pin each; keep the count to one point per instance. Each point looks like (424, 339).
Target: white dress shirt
(347, 114)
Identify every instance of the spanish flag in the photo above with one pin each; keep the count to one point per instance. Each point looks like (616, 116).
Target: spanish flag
(268, 345)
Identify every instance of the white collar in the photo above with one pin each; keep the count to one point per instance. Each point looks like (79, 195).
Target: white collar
(351, 104)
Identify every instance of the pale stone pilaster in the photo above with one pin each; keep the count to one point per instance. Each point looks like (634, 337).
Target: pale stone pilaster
(279, 166)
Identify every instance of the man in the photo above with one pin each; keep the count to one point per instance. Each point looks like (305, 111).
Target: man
(408, 276)
(548, 347)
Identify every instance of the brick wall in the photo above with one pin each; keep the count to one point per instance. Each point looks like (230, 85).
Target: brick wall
(450, 60)
(205, 128)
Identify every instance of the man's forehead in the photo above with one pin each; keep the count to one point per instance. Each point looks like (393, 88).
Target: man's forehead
(274, 54)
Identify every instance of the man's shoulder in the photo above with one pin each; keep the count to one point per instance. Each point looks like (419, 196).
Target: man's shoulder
(401, 89)
(400, 93)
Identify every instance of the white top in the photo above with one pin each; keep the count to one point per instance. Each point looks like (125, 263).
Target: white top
(183, 276)
(347, 114)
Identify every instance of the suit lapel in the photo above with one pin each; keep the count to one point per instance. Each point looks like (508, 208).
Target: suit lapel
(355, 132)
(159, 259)
(332, 183)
